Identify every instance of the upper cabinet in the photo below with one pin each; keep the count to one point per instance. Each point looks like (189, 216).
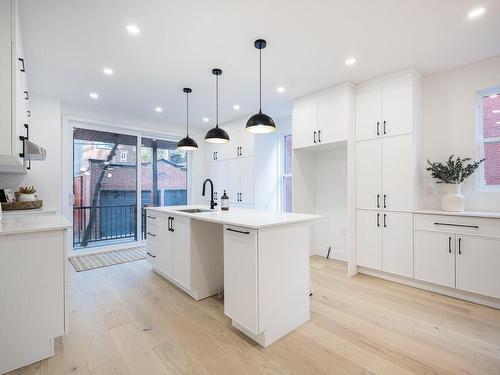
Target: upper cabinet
(6, 46)
(323, 119)
(386, 108)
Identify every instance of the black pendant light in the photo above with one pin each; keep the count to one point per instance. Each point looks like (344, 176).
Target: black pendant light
(217, 135)
(187, 143)
(260, 122)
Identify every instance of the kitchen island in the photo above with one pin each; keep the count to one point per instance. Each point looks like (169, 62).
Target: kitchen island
(259, 259)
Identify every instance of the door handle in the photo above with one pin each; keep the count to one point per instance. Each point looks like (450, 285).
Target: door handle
(378, 220)
(449, 245)
(459, 246)
(378, 200)
(314, 137)
(385, 216)
(384, 127)
(378, 128)
(237, 231)
(319, 136)
(151, 255)
(385, 196)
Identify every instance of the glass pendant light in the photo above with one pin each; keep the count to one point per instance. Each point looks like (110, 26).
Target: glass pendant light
(260, 122)
(187, 143)
(217, 135)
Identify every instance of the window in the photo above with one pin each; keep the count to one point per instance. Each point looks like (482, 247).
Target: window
(489, 138)
(286, 179)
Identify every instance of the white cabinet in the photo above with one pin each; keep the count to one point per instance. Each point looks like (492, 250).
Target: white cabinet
(215, 151)
(368, 174)
(322, 119)
(241, 277)
(6, 49)
(217, 172)
(240, 180)
(154, 227)
(241, 142)
(180, 232)
(384, 241)
(386, 108)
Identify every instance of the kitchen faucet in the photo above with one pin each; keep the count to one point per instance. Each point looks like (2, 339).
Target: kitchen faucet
(212, 202)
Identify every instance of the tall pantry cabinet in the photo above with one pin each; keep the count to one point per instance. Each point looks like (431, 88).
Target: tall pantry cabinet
(387, 122)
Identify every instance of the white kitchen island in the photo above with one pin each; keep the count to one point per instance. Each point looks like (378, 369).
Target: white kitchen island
(260, 259)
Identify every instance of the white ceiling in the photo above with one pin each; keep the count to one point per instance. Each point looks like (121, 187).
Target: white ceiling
(68, 42)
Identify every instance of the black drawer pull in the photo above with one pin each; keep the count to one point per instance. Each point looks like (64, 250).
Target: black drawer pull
(151, 255)
(449, 245)
(151, 217)
(458, 225)
(151, 234)
(237, 231)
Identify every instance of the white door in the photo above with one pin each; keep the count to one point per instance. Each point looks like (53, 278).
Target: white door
(240, 276)
(397, 243)
(304, 124)
(369, 174)
(233, 180)
(181, 250)
(398, 172)
(166, 248)
(397, 106)
(369, 239)
(333, 117)
(478, 265)
(434, 259)
(368, 113)
(247, 183)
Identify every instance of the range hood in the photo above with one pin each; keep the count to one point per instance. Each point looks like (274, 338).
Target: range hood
(12, 172)
(33, 152)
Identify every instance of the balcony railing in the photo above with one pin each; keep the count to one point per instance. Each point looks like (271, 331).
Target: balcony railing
(92, 224)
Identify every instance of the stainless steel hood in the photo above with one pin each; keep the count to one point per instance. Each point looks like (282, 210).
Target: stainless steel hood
(12, 172)
(32, 151)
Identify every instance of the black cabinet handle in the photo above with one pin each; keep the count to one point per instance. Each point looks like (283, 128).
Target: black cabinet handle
(314, 137)
(385, 216)
(151, 234)
(237, 231)
(459, 246)
(458, 225)
(151, 255)
(26, 95)
(378, 128)
(378, 220)
(151, 217)
(21, 68)
(23, 138)
(449, 245)
(378, 200)
(384, 127)
(172, 224)
(28, 113)
(319, 136)
(385, 196)
(169, 224)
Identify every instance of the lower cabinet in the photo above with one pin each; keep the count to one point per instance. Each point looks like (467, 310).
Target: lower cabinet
(384, 241)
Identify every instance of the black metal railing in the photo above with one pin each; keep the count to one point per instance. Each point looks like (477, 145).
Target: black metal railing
(93, 224)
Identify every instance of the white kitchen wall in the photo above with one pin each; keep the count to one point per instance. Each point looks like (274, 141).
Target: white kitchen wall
(449, 104)
(45, 130)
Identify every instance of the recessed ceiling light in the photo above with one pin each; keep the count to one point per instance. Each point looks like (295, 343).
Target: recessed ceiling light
(205, 119)
(280, 89)
(236, 107)
(350, 61)
(497, 123)
(94, 95)
(493, 96)
(158, 109)
(496, 111)
(133, 30)
(108, 71)
(476, 12)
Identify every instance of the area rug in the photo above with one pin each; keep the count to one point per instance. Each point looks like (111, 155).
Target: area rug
(108, 258)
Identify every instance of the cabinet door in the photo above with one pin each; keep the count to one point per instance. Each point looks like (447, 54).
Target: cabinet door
(397, 243)
(304, 123)
(5, 78)
(478, 263)
(369, 239)
(165, 247)
(397, 106)
(181, 250)
(333, 117)
(246, 143)
(233, 179)
(240, 276)
(369, 174)
(398, 169)
(434, 259)
(247, 183)
(368, 113)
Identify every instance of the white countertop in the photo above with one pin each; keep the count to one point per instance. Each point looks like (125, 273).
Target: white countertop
(485, 214)
(254, 219)
(15, 224)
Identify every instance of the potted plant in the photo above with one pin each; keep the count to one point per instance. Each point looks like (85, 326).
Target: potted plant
(26, 194)
(451, 174)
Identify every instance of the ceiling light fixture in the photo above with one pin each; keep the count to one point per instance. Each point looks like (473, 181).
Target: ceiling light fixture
(94, 95)
(158, 109)
(236, 107)
(108, 71)
(133, 30)
(205, 119)
(493, 96)
(496, 111)
(217, 135)
(187, 143)
(350, 61)
(260, 122)
(476, 12)
(280, 89)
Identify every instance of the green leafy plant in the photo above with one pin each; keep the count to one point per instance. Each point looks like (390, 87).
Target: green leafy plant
(453, 171)
(27, 190)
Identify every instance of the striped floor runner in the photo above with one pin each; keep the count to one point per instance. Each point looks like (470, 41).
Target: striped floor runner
(108, 258)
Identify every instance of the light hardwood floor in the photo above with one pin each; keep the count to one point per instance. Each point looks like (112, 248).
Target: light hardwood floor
(125, 319)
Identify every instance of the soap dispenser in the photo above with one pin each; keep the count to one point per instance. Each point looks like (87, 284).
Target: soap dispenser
(224, 202)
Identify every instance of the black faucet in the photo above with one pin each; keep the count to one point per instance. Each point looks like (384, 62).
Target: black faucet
(212, 202)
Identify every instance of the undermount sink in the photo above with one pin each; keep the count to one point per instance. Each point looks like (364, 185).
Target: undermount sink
(194, 210)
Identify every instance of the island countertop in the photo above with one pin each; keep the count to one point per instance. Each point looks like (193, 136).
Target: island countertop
(15, 224)
(248, 218)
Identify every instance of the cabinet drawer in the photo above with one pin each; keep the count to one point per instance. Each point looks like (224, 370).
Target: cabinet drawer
(459, 224)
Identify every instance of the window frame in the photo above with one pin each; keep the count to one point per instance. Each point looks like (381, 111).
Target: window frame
(481, 141)
(282, 174)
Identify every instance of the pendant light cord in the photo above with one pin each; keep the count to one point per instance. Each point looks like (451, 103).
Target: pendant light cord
(260, 80)
(187, 114)
(217, 101)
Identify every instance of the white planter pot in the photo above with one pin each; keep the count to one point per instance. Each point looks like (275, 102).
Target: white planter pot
(452, 199)
(26, 197)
